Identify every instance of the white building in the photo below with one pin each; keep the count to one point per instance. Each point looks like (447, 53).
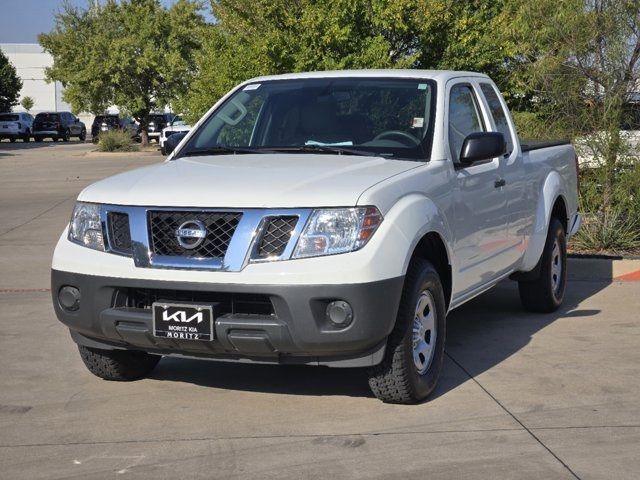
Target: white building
(30, 61)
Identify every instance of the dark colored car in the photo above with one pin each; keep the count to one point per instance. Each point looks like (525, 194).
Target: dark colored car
(156, 122)
(58, 125)
(105, 123)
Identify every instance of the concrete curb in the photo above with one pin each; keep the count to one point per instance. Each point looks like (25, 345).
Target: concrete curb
(604, 269)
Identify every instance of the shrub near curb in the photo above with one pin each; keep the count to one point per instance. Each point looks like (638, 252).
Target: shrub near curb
(116, 141)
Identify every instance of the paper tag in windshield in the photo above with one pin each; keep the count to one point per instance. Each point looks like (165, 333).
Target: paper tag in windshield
(253, 86)
(422, 86)
(418, 122)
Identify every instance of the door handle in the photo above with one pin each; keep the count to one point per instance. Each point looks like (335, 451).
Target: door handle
(500, 183)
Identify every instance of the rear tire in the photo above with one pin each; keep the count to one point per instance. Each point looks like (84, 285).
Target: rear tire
(118, 365)
(546, 293)
(67, 136)
(83, 135)
(27, 136)
(415, 349)
(12, 140)
(163, 151)
(37, 139)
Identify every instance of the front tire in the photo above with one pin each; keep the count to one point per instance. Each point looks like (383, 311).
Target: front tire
(415, 349)
(546, 293)
(118, 365)
(27, 136)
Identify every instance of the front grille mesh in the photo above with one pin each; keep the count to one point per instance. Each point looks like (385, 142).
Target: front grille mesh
(220, 228)
(119, 232)
(276, 236)
(235, 303)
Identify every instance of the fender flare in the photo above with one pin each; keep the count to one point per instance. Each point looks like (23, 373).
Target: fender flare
(418, 216)
(552, 189)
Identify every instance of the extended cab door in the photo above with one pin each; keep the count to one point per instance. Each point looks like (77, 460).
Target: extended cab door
(480, 222)
(517, 192)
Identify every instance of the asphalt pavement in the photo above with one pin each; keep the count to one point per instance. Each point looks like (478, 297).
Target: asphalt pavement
(521, 395)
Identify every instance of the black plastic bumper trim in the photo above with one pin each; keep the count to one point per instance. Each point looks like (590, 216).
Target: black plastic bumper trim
(298, 332)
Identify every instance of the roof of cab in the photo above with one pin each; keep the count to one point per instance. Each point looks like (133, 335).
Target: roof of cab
(438, 75)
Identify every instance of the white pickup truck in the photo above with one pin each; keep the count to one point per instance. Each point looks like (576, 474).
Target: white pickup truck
(328, 218)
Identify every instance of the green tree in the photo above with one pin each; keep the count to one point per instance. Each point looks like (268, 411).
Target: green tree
(27, 103)
(259, 37)
(578, 67)
(135, 54)
(10, 84)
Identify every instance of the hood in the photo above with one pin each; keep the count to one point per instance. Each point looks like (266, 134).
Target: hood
(246, 181)
(178, 128)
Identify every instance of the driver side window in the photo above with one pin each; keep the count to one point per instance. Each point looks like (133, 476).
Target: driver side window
(464, 118)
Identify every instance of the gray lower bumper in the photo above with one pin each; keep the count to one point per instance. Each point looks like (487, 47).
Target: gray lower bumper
(296, 332)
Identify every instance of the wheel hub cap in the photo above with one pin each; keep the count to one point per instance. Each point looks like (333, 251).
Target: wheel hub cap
(424, 332)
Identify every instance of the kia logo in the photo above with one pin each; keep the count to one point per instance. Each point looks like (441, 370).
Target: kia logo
(191, 234)
(181, 317)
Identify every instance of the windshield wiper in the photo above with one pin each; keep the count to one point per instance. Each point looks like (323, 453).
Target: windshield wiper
(326, 149)
(219, 150)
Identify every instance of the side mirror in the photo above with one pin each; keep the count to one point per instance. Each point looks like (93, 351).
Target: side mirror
(172, 142)
(482, 146)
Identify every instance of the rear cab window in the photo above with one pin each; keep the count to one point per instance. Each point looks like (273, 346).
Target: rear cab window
(8, 118)
(498, 113)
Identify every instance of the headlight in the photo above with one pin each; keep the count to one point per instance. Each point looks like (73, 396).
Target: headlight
(85, 227)
(337, 230)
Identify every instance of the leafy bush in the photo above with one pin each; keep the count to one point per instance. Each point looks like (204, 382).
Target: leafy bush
(116, 141)
(612, 230)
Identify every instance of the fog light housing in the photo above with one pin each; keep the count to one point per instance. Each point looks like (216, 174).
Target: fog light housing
(339, 313)
(69, 298)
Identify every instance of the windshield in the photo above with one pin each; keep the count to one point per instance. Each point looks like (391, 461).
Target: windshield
(178, 121)
(383, 117)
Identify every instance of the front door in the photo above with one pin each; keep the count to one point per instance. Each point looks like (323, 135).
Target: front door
(480, 221)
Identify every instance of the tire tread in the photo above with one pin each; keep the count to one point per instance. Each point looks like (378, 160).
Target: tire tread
(118, 365)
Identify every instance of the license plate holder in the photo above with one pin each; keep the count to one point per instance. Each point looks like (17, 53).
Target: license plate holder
(184, 321)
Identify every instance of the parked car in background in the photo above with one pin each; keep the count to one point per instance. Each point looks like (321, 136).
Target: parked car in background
(156, 122)
(107, 122)
(325, 218)
(58, 125)
(172, 142)
(177, 125)
(16, 125)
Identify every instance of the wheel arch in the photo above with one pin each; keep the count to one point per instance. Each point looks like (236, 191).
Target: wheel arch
(551, 202)
(432, 247)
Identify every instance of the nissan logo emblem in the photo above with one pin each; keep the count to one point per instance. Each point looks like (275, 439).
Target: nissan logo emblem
(191, 234)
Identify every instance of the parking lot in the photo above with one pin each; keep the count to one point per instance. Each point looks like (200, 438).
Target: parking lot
(521, 396)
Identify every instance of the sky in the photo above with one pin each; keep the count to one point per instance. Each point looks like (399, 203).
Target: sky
(22, 20)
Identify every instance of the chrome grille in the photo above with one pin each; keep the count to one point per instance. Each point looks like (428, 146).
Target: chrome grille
(119, 232)
(276, 236)
(220, 228)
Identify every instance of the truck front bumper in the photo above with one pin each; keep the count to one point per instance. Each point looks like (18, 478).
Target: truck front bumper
(290, 325)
